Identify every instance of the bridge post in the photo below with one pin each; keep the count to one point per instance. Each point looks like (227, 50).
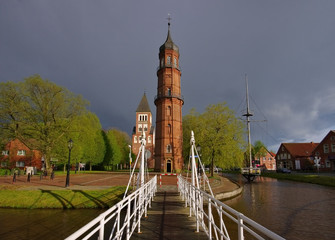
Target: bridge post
(102, 228)
(240, 227)
(209, 218)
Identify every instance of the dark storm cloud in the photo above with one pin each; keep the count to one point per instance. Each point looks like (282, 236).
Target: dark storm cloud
(108, 52)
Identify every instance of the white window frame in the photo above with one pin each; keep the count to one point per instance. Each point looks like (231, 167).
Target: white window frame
(325, 148)
(5, 152)
(19, 164)
(149, 139)
(21, 152)
(135, 139)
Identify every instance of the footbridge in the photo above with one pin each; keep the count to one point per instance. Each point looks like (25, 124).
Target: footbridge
(186, 209)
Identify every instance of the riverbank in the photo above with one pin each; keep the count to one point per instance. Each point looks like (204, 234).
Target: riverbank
(307, 178)
(60, 199)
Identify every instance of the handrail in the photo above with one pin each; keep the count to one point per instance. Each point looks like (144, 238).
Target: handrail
(129, 211)
(195, 199)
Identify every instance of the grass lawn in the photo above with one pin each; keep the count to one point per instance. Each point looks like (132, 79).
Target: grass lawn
(308, 178)
(65, 199)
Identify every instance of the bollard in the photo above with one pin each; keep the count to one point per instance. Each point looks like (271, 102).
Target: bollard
(14, 177)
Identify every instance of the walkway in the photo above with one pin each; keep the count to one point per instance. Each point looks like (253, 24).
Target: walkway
(168, 218)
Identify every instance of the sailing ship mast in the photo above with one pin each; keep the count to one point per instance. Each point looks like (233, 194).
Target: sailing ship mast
(248, 114)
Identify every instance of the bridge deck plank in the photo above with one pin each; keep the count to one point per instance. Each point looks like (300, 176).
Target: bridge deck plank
(168, 218)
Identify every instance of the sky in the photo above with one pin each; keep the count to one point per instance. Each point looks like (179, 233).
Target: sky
(107, 51)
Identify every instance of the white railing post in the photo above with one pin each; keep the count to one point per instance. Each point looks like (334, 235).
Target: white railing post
(128, 219)
(102, 228)
(240, 227)
(197, 210)
(210, 218)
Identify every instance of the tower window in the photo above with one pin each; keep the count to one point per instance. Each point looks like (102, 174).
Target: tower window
(135, 139)
(140, 127)
(149, 139)
(168, 148)
(169, 128)
(169, 92)
(169, 110)
(175, 62)
(168, 60)
(145, 126)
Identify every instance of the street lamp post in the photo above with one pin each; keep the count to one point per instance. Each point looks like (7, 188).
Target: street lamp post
(70, 145)
(130, 160)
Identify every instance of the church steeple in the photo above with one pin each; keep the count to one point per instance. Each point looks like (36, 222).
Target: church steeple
(144, 105)
(169, 44)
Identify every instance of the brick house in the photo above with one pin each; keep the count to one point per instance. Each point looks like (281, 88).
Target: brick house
(266, 162)
(16, 154)
(326, 152)
(296, 156)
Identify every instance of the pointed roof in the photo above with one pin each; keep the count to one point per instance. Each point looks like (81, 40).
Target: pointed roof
(169, 44)
(144, 105)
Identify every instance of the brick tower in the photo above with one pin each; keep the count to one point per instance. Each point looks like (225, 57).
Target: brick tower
(144, 124)
(169, 132)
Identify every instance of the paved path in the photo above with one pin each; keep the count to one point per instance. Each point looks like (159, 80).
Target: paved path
(168, 218)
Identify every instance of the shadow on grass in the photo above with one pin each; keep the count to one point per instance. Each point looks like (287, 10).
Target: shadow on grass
(92, 202)
(65, 203)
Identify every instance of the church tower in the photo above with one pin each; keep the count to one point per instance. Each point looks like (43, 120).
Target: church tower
(144, 124)
(169, 101)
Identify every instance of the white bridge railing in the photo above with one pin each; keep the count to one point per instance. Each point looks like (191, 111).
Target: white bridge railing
(203, 206)
(121, 220)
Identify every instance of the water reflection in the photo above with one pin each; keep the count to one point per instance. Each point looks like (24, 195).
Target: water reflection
(291, 209)
(43, 224)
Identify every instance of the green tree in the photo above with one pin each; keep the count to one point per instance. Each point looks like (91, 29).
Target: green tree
(220, 135)
(258, 150)
(39, 109)
(119, 150)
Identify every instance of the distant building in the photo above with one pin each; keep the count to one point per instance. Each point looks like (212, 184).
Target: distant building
(16, 154)
(326, 152)
(144, 124)
(266, 162)
(296, 156)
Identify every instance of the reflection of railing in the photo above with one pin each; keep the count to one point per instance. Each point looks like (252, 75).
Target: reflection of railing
(168, 66)
(180, 97)
(124, 217)
(202, 205)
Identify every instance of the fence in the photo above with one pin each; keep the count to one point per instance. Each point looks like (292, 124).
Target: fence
(121, 220)
(203, 206)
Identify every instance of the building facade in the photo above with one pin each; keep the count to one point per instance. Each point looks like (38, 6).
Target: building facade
(16, 154)
(169, 102)
(144, 125)
(325, 151)
(267, 161)
(296, 156)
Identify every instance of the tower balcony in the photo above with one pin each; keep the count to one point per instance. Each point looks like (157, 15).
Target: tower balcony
(161, 96)
(168, 66)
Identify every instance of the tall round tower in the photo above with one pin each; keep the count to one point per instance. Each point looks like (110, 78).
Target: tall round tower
(169, 101)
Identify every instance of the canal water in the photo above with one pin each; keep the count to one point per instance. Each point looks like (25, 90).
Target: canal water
(291, 209)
